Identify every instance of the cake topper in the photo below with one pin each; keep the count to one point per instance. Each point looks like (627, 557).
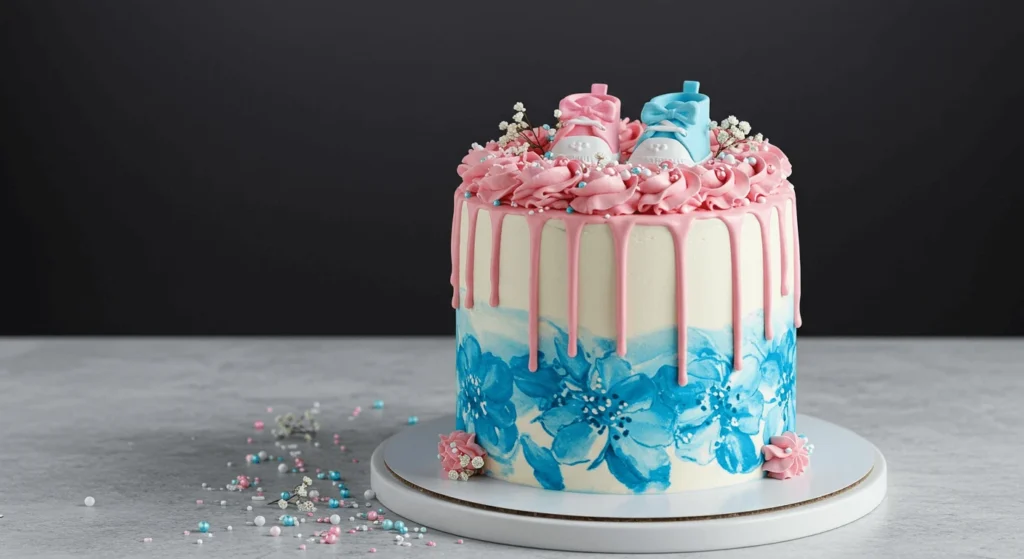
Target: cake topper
(589, 126)
(678, 128)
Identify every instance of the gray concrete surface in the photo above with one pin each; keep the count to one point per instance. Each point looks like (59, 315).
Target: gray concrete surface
(140, 424)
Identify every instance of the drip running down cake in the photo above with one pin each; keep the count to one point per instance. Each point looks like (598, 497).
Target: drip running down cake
(627, 294)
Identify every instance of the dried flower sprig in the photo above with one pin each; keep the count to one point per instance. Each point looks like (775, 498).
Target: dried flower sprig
(520, 133)
(298, 497)
(732, 132)
(288, 425)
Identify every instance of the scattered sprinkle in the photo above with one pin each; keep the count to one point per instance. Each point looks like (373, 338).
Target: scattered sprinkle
(89, 501)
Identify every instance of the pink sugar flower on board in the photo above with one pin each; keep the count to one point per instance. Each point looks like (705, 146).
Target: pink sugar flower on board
(787, 455)
(460, 455)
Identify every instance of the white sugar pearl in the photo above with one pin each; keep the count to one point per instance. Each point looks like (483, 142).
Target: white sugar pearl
(262, 454)
(259, 521)
(419, 536)
(204, 485)
(223, 503)
(368, 505)
(199, 542)
(406, 544)
(335, 519)
(230, 528)
(275, 531)
(249, 508)
(302, 520)
(229, 464)
(89, 501)
(313, 494)
(282, 468)
(399, 538)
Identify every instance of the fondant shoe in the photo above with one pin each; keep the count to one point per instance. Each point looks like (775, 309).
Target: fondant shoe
(590, 126)
(678, 126)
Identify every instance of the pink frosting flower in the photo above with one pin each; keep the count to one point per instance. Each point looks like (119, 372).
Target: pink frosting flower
(723, 187)
(549, 186)
(765, 173)
(477, 163)
(787, 456)
(629, 133)
(460, 455)
(503, 177)
(611, 191)
(672, 190)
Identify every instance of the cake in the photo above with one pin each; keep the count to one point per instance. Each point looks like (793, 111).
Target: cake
(627, 294)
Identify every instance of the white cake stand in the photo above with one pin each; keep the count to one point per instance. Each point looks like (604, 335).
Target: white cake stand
(846, 480)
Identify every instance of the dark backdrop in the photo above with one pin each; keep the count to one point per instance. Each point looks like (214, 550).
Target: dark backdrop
(272, 167)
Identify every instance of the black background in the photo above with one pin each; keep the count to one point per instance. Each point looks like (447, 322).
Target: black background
(271, 167)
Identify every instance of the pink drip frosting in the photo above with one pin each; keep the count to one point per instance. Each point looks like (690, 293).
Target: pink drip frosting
(787, 455)
(457, 452)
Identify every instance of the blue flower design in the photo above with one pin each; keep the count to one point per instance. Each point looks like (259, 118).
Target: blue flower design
(600, 413)
(719, 409)
(776, 360)
(484, 403)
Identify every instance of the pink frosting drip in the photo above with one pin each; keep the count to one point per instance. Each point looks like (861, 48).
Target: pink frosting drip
(458, 451)
(787, 455)
(612, 191)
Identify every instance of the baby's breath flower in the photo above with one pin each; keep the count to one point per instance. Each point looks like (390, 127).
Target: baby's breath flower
(722, 136)
(557, 113)
(477, 462)
(518, 117)
(283, 504)
(306, 480)
(476, 146)
(453, 475)
(744, 126)
(714, 124)
(502, 125)
(518, 107)
(732, 120)
(758, 137)
(301, 491)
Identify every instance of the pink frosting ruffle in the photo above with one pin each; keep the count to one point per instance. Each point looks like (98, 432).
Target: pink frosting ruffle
(751, 173)
(460, 455)
(629, 133)
(670, 191)
(787, 455)
(611, 191)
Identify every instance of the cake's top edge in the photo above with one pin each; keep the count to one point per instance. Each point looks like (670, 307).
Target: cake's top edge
(673, 160)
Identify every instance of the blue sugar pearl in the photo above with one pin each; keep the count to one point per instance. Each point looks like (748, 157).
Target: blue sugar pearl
(288, 520)
(255, 459)
(569, 210)
(546, 127)
(279, 458)
(399, 525)
(423, 529)
(204, 526)
(549, 155)
(234, 482)
(333, 503)
(295, 470)
(344, 493)
(379, 404)
(380, 511)
(413, 420)
(387, 525)
(497, 202)
(403, 530)
(468, 195)
(581, 184)
(635, 170)
(334, 475)
(321, 475)
(285, 495)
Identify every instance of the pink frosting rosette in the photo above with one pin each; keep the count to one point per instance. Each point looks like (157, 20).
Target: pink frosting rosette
(723, 187)
(785, 165)
(787, 455)
(629, 133)
(478, 162)
(549, 186)
(764, 174)
(611, 192)
(503, 177)
(673, 190)
(460, 455)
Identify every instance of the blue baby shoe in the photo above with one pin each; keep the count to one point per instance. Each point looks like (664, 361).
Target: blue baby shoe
(678, 126)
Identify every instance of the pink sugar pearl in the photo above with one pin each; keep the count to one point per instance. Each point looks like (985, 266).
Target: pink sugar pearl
(373, 550)
(331, 538)
(372, 515)
(257, 424)
(270, 410)
(334, 530)
(187, 532)
(431, 544)
(302, 547)
(199, 501)
(341, 448)
(459, 541)
(351, 531)
(248, 440)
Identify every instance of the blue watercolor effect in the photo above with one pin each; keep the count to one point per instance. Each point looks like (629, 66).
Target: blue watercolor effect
(626, 415)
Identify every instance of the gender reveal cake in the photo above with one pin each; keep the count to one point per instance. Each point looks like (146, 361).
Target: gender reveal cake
(627, 294)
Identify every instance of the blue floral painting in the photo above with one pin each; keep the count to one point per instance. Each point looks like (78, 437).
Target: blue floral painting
(628, 415)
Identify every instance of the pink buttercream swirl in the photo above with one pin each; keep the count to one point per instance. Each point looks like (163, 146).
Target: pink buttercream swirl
(611, 191)
(723, 187)
(549, 186)
(460, 455)
(672, 190)
(787, 455)
(764, 171)
(629, 133)
(750, 172)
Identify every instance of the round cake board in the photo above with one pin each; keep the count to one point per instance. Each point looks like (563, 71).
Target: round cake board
(845, 481)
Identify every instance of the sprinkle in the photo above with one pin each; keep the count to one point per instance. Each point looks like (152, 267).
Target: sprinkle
(147, 540)
(89, 501)
(257, 425)
(199, 501)
(459, 541)
(431, 544)
(199, 542)
(379, 404)
(468, 195)
(569, 210)
(186, 532)
(275, 531)
(497, 202)
(373, 550)
(413, 420)
(582, 184)
(302, 547)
